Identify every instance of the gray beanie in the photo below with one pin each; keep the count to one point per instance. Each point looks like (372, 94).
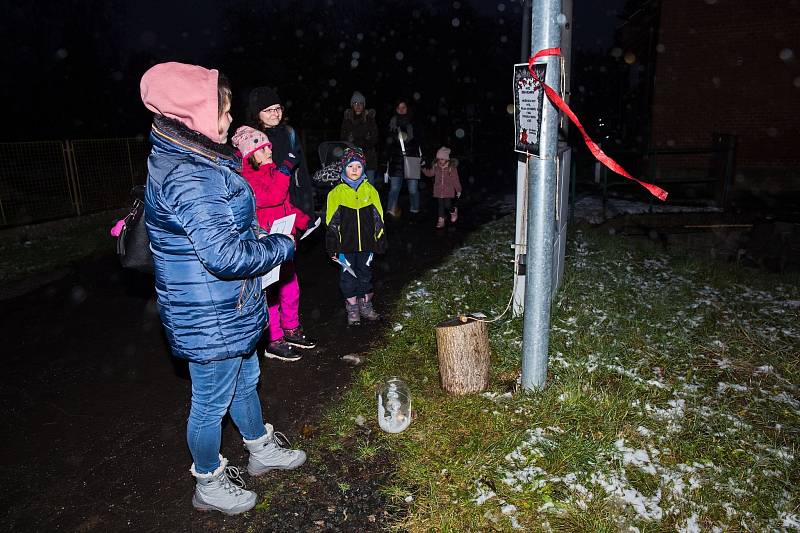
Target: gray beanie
(357, 98)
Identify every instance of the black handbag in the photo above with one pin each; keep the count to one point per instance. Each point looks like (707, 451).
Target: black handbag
(133, 243)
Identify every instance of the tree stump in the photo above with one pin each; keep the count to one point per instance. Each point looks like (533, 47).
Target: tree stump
(463, 348)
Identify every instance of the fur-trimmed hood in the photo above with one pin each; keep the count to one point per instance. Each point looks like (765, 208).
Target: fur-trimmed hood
(179, 133)
(368, 114)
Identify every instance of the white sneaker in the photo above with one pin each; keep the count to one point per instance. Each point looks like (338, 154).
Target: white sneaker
(222, 490)
(268, 453)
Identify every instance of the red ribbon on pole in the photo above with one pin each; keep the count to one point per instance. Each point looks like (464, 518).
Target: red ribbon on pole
(601, 156)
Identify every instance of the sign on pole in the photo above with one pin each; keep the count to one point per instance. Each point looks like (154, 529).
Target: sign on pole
(528, 101)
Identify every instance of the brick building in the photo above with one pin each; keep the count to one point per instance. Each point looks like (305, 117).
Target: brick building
(733, 67)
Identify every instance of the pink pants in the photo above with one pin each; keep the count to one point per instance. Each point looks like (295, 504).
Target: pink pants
(283, 302)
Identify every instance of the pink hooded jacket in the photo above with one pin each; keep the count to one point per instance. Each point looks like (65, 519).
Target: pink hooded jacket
(271, 188)
(446, 183)
(187, 93)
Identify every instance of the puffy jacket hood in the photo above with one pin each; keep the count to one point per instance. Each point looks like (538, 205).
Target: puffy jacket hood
(187, 93)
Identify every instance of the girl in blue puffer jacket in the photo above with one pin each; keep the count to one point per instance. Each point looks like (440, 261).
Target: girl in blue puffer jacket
(199, 215)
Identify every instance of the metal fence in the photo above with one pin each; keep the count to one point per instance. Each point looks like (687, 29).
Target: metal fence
(696, 175)
(55, 179)
(48, 180)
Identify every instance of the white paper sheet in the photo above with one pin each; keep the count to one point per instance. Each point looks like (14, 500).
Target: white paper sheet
(345, 266)
(312, 228)
(284, 226)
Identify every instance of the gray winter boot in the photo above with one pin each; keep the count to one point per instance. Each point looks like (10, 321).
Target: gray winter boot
(353, 314)
(222, 490)
(366, 309)
(268, 453)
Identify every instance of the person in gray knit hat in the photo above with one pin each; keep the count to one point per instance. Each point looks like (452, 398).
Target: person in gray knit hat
(360, 129)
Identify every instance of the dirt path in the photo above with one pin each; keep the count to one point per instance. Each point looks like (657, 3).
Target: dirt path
(95, 408)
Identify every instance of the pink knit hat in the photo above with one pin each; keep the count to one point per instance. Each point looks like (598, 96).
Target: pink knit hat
(247, 140)
(443, 153)
(187, 93)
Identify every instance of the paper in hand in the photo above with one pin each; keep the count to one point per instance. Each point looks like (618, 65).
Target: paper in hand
(312, 228)
(345, 266)
(282, 225)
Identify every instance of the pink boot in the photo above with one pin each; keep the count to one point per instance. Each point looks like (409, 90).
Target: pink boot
(454, 215)
(440, 223)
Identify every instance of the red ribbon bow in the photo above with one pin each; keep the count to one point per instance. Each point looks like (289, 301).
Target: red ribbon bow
(601, 156)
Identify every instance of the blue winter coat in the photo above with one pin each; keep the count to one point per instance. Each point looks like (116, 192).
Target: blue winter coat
(199, 215)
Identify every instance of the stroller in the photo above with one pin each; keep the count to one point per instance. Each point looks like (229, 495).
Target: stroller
(330, 154)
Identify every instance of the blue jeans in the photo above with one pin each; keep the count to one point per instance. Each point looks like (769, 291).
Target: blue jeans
(394, 193)
(218, 386)
(370, 177)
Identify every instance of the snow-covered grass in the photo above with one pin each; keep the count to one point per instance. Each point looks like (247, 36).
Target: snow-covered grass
(672, 401)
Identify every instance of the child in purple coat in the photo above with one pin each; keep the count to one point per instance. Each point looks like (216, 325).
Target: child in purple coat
(446, 184)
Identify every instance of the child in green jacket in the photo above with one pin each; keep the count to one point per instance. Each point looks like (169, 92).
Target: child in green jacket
(355, 232)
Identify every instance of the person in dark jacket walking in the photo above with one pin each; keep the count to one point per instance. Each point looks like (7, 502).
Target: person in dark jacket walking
(359, 128)
(265, 113)
(199, 215)
(355, 233)
(404, 140)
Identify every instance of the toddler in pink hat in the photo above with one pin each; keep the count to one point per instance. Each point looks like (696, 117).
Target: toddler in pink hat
(446, 185)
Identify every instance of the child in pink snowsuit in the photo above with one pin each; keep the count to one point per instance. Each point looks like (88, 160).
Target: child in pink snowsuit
(446, 184)
(270, 183)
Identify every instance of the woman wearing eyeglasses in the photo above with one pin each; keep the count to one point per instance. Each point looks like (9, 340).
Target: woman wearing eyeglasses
(265, 113)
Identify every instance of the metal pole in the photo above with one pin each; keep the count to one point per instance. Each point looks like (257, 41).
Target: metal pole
(566, 53)
(526, 31)
(521, 223)
(545, 33)
(520, 240)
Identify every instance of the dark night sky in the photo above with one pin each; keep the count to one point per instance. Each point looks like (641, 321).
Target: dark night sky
(75, 65)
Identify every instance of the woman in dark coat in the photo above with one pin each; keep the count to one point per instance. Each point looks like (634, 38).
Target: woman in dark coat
(404, 139)
(360, 129)
(199, 214)
(265, 113)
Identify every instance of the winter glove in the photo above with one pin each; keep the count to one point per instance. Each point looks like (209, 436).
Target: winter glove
(288, 164)
(458, 194)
